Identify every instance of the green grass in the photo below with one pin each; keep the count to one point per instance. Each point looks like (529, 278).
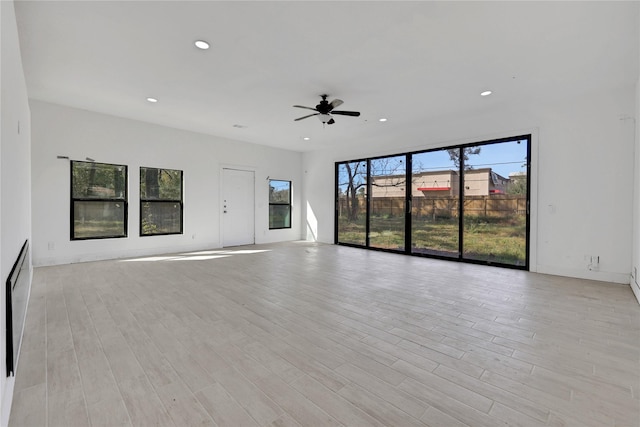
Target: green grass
(492, 239)
(88, 229)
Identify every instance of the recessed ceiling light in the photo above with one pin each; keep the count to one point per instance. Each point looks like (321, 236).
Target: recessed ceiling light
(152, 100)
(201, 44)
(486, 93)
(306, 138)
(382, 120)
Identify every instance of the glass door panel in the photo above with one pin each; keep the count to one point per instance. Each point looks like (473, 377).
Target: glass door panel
(351, 205)
(495, 202)
(388, 203)
(435, 204)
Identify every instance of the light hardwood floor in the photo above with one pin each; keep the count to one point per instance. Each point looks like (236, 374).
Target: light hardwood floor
(322, 335)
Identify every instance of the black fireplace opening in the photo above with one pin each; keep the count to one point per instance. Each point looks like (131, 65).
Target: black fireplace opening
(17, 292)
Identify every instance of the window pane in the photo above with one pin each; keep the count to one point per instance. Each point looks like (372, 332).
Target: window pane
(388, 198)
(160, 184)
(434, 205)
(495, 202)
(98, 219)
(279, 216)
(279, 204)
(279, 192)
(98, 180)
(352, 210)
(161, 218)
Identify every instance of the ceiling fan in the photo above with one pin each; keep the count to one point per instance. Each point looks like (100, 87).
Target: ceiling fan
(325, 109)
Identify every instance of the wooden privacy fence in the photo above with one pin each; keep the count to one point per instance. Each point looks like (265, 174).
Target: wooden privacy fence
(497, 205)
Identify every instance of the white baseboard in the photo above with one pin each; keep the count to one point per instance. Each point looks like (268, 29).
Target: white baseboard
(636, 290)
(602, 276)
(88, 257)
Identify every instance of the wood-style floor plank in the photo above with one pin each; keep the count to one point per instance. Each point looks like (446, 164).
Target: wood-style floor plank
(305, 334)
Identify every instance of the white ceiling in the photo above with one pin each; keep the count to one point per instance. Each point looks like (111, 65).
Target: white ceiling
(411, 62)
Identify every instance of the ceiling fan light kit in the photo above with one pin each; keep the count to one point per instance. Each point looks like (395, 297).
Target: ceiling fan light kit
(325, 110)
(324, 118)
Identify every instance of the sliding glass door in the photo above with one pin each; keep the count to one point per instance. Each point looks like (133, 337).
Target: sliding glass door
(434, 204)
(387, 204)
(351, 208)
(468, 202)
(495, 202)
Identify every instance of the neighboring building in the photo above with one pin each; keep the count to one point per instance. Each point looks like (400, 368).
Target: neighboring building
(446, 183)
(436, 184)
(484, 182)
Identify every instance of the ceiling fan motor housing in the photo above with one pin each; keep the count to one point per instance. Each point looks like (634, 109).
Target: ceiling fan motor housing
(325, 109)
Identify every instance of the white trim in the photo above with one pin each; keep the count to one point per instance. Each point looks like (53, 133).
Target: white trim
(636, 290)
(601, 276)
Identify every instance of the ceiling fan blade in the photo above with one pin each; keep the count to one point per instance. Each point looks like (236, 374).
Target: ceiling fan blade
(347, 113)
(302, 106)
(336, 103)
(304, 117)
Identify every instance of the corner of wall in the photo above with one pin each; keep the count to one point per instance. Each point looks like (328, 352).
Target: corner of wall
(635, 261)
(15, 173)
(635, 257)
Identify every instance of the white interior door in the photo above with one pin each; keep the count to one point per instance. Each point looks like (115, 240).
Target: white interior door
(238, 207)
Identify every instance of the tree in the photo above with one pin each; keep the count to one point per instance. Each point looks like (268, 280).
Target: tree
(391, 167)
(454, 155)
(353, 182)
(279, 191)
(160, 184)
(98, 180)
(151, 183)
(517, 184)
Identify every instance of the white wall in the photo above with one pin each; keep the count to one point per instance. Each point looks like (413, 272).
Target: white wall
(582, 156)
(15, 186)
(64, 131)
(635, 262)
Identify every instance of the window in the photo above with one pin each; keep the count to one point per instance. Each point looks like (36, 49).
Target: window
(467, 202)
(98, 200)
(279, 204)
(160, 201)
(351, 196)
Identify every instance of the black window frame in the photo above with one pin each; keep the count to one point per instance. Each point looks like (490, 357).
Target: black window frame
(158, 200)
(280, 204)
(407, 251)
(115, 199)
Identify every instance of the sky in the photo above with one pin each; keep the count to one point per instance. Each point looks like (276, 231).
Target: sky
(502, 158)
